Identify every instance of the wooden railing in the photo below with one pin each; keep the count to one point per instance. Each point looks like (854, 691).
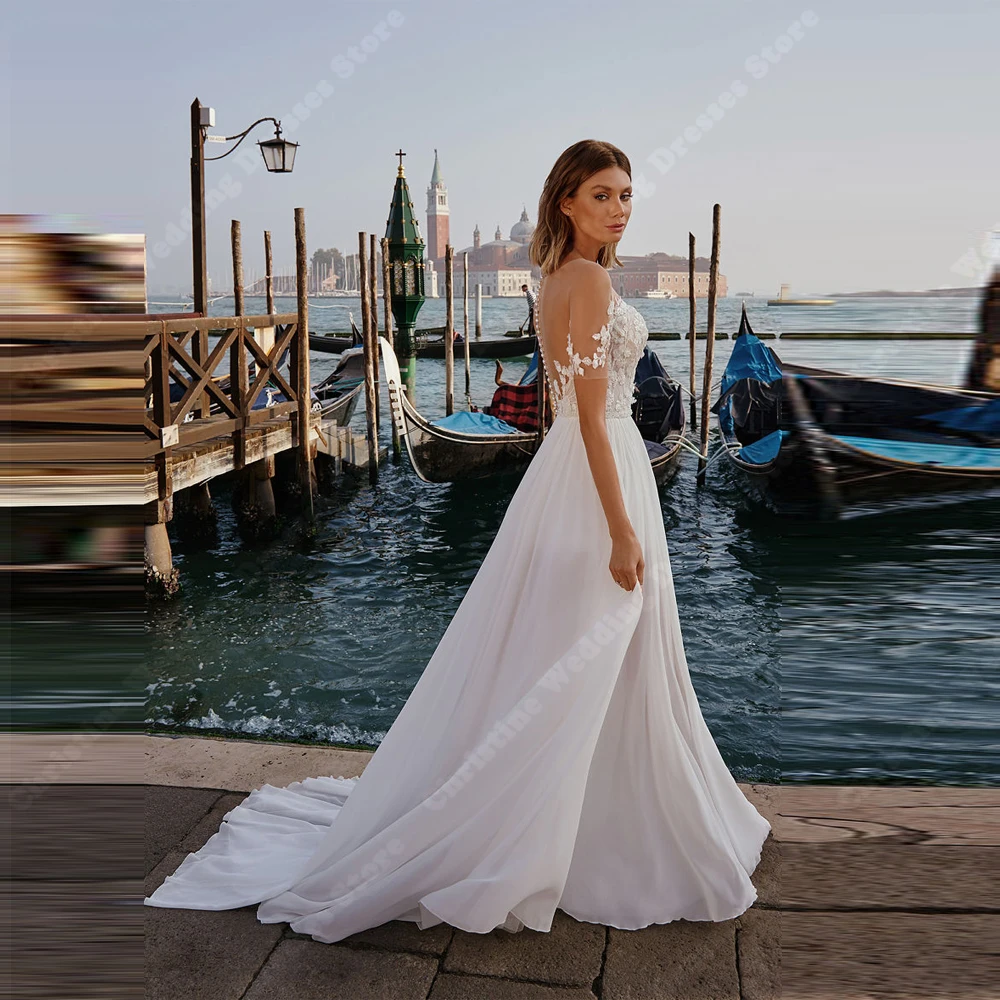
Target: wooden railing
(179, 351)
(90, 398)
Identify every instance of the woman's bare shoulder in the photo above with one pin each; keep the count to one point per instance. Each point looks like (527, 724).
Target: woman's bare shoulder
(582, 277)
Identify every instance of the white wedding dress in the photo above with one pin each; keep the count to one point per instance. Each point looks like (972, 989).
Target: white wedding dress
(552, 753)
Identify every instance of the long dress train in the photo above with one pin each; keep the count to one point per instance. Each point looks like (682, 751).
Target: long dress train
(552, 753)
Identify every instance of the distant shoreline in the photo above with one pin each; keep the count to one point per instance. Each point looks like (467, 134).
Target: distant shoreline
(942, 293)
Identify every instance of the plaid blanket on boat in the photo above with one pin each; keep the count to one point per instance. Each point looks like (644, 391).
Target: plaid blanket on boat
(517, 405)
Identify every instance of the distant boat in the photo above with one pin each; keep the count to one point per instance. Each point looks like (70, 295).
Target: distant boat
(657, 293)
(785, 299)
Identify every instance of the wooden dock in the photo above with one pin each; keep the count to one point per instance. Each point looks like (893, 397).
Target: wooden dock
(124, 413)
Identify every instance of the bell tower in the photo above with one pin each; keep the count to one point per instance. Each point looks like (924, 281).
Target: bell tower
(438, 222)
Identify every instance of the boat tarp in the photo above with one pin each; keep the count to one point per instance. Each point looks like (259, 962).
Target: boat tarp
(530, 376)
(654, 449)
(983, 418)
(751, 358)
(765, 449)
(474, 423)
(649, 366)
(952, 456)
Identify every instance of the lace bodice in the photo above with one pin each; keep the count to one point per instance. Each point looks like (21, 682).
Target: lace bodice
(617, 348)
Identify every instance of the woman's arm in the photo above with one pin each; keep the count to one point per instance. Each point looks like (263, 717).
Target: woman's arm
(590, 303)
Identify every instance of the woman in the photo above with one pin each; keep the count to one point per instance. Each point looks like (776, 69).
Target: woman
(552, 753)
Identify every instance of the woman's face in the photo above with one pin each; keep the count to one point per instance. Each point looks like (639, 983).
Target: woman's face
(601, 207)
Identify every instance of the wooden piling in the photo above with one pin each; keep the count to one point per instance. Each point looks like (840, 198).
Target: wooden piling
(367, 340)
(303, 386)
(268, 276)
(237, 242)
(479, 312)
(373, 281)
(465, 327)
(387, 317)
(692, 331)
(706, 397)
(449, 326)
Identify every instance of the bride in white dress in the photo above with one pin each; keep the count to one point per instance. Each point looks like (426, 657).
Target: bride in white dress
(553, 752)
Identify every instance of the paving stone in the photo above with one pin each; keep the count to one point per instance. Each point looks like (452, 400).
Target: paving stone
(682, 960)
(767, 875)
(929, 816)
(243, 765)
(74, 939)
(203, 955)
(758, 946)
(86, 758)
(90, 832)
(451, 986)
(209, 825)
(404, 935)
(171, 814)
(877, 874)
(158, 875)
(909, 956)
(568, 955)
(765, 799)
(308, 970)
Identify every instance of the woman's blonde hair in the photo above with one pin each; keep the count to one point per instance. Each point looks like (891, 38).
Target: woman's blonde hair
(553, 236)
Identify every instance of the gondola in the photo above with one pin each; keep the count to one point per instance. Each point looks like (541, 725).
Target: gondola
(809, 438)
(341, 390)
(328, 343)
(331, 343)
(659, 413)
(472, 445)
(461, 446)
(513, 347)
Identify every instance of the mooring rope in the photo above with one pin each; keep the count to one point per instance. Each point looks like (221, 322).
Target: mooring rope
(685, 443)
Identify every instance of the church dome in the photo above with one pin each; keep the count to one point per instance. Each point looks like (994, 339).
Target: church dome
(523, 229)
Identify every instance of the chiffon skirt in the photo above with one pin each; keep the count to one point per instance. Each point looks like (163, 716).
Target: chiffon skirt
(552, 753)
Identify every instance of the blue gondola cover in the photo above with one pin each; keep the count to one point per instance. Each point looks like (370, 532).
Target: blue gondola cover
(765, 450)
(981, 419)
(474, 423)
(951, 456)
(751, 358)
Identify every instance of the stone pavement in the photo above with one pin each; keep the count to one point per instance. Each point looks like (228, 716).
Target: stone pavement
(863, 893)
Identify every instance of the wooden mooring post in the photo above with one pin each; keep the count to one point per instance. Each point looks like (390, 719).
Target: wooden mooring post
(369, 348)
(303, 378)
(387, 316)
(465, 327)
(256, 512)
(373, 301)
(706, 397)
(449, 327)
(692, 332)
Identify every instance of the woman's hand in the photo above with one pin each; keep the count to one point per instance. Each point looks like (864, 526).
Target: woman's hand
(626, 559)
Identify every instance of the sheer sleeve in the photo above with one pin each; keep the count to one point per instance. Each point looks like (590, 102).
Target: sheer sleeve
(590, 307)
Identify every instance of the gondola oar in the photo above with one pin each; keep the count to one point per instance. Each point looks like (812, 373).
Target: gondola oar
(812, 439)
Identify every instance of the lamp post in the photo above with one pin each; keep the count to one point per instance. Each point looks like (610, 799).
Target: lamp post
(279, 157)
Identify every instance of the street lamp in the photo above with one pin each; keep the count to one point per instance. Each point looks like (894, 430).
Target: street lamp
(279, 157)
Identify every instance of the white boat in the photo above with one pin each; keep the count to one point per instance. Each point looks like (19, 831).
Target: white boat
(658, 293)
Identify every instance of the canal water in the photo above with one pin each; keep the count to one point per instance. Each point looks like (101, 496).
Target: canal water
(860, 652)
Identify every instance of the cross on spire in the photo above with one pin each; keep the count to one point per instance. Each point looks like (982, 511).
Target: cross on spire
(400, 154)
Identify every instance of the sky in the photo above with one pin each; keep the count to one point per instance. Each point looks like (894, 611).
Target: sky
(852, 145)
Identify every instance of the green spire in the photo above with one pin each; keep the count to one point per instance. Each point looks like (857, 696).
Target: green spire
(402, 227)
